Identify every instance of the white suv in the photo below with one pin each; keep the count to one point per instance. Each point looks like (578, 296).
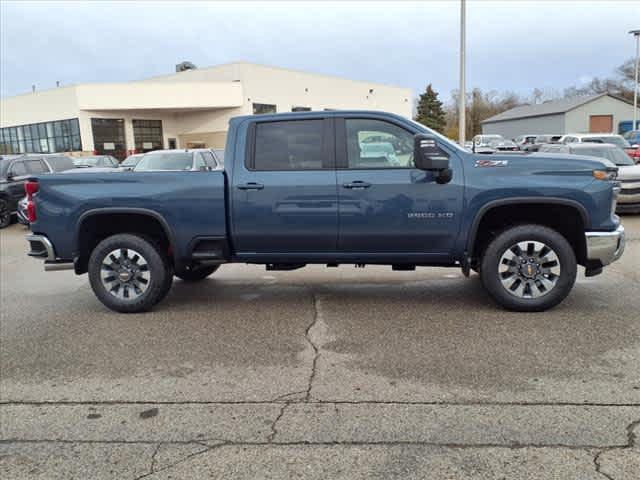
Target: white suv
(611, 138)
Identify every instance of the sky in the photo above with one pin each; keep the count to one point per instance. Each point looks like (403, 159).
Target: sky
(511, 45)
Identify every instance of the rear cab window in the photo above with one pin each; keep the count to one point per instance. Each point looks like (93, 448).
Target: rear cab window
(290, 145)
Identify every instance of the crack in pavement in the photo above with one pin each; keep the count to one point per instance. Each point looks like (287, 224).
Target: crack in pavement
(274, 425)
(316, 348)
(314, 365)
(153, 469)
(631, 443)
(281, 398)
(306, 443)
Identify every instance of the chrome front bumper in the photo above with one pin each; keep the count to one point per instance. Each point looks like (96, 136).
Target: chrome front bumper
(606, 247)
(41, 247)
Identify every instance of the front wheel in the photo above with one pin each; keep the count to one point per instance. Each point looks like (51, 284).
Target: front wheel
(128, 273)
(529, 268)
(197, 274)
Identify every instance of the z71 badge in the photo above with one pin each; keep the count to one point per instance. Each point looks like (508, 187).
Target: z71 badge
(492, 163)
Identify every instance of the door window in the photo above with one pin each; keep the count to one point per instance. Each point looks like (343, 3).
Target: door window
(289, 145)
(378, 144)
(200, 163)
(36, 166)
(18, 169)
(210, 160)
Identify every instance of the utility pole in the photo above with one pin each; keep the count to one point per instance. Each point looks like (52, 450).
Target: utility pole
(636, 34)
(462, 101)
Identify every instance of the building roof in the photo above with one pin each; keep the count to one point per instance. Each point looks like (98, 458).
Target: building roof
(552, 107)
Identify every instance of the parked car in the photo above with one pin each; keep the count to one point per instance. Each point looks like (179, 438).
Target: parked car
(197, 159)
(612, 138)
(485, 140)
(295, 192)
(504, 146)
(102, 161)
(633, 137)
(14, 170)
(131, 161)
(522, 140)
(628, 171)
(539, 141)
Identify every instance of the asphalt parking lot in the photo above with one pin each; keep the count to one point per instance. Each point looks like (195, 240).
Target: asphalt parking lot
(318, 373)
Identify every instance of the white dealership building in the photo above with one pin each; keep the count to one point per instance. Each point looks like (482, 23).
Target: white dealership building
(188, 109)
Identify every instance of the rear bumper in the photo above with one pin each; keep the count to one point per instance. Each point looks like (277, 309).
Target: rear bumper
(605, 247)
(41, 247)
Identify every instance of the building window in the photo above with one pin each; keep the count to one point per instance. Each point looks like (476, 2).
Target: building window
(300, 109)
(260, 108)
(108, 137)
(147, 135)
(44, 137)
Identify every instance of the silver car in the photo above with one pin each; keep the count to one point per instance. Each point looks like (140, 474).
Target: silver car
(198, 159)
(628, 171)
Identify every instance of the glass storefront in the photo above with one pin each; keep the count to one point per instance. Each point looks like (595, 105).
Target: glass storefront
(44, 137)
(108, 137)
(147, 135)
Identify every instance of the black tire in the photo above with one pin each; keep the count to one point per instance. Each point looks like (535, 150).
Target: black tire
(5, 213)
(561, 259)
(197, 274)
(156, 266)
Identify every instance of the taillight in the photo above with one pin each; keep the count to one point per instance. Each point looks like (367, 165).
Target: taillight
(31, 211)
(31, 188)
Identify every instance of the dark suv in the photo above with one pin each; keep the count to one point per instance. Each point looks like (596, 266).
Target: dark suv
(15, 169)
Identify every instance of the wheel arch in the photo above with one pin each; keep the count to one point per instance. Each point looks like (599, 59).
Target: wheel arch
(136, 220)
(577, 223)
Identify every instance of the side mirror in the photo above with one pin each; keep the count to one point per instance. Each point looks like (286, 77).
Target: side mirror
(430, 157)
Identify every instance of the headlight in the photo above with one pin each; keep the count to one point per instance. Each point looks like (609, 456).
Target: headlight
(608, 174)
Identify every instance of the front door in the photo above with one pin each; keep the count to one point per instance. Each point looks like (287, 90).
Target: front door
(284, 198)
(386, 205)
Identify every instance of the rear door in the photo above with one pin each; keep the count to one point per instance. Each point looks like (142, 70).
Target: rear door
(386, 205)
(284, 193)
(18, 173)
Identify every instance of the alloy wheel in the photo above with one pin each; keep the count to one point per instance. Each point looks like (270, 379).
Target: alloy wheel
(529, 269)
(125, 274)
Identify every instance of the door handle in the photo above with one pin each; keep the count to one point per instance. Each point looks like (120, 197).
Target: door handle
(357, 185)
(251, 186)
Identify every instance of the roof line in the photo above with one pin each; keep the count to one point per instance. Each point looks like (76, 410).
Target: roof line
(589, 99)
(292, 70)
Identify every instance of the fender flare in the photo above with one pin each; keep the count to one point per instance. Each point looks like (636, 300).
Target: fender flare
(473, 232)
(124, 210)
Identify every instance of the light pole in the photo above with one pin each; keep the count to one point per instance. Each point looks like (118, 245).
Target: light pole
(462, 101)
(636, 33)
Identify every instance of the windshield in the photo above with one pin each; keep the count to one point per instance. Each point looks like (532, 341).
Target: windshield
(615, 155)
(165, 161)
(131, 161)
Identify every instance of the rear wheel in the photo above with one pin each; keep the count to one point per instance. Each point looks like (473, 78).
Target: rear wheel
(529, 268)
(128, 273)
(197, 274)
(5, 213)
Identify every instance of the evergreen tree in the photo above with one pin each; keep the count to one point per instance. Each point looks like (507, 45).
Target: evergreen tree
(430, 112)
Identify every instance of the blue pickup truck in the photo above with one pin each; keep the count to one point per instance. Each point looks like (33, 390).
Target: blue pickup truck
(333, 188)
